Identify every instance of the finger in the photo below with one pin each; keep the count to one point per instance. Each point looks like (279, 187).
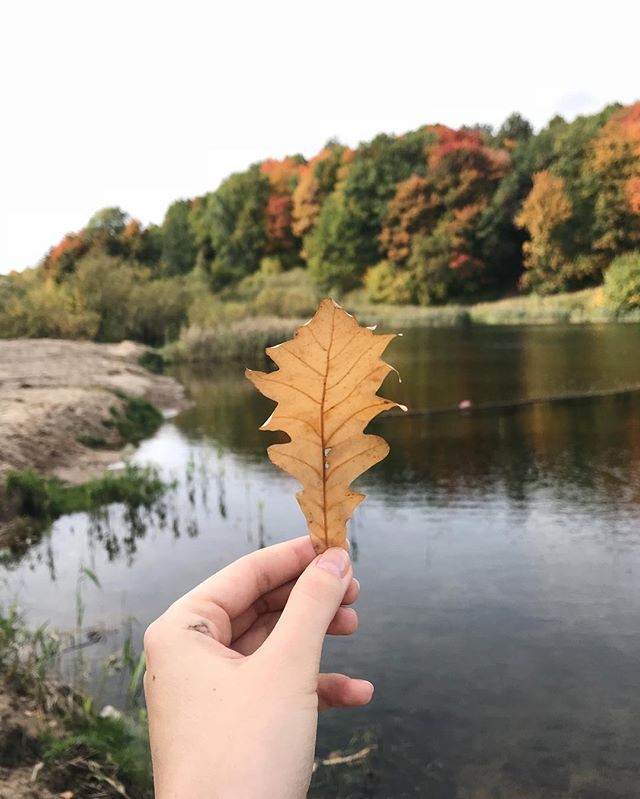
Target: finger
(345, 622)
(236, 587)
(298, 636)
(338, 690)
(275, 601)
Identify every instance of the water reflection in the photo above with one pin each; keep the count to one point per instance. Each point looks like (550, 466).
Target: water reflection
(499, 555)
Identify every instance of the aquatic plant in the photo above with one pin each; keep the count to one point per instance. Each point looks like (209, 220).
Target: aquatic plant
(47, 498)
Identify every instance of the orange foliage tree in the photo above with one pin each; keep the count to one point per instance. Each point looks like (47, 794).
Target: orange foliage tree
(431, 222)
(317, 179)
(62, 258)
(614, 166)
(543, 215)
(411, 211)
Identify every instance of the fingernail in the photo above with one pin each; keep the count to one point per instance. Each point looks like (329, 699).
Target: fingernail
(370, 684)
(334, 560)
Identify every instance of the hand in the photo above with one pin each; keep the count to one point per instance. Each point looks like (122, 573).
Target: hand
(232, 683)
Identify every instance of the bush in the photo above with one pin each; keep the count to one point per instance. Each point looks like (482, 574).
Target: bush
(622, 282)
(32, 307)
(385, 283)
(157, 309)
(245, 340)
(269, 293)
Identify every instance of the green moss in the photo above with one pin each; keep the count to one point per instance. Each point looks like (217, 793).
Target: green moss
(47, 498)
(152, 361)
(118, 743)
(136, 420)
(93, 442)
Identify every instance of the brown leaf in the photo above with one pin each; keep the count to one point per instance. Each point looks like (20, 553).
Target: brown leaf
(325, 388)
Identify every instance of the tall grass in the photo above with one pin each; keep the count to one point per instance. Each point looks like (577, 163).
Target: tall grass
(240, 341)
(80, 746)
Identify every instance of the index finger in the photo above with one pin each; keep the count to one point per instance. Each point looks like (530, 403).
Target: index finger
(237, 586)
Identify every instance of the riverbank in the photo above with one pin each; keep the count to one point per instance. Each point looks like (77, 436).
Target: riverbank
(68, 409)
(245, 338)
(580, 307)
(55, 741)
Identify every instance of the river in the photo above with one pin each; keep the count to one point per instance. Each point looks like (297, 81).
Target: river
(498, 551)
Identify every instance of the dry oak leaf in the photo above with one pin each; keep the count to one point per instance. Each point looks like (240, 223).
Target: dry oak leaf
(325, 388)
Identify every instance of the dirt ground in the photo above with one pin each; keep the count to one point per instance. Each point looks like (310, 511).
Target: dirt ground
(53, 391)
(20, 765)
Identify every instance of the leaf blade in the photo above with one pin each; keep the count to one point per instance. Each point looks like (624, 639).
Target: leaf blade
(325, 389)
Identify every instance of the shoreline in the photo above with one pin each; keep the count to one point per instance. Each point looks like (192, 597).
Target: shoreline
(69, 408)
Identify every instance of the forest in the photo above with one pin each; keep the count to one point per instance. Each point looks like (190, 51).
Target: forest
(430, 217)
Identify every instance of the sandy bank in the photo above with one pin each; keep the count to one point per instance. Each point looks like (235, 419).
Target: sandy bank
(52, 392)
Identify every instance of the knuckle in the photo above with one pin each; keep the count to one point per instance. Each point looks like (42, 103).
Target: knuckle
(154, 637)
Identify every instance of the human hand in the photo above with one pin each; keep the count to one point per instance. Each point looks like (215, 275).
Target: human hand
(232, 683)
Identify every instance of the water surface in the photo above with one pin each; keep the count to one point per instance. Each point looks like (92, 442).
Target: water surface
(498, 551)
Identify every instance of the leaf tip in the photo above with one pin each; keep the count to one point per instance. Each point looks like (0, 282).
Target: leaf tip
(264, 425)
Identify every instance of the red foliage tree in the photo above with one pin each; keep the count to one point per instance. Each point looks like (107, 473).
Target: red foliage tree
(278, 222)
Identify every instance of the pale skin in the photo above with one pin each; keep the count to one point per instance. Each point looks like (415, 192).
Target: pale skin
(233, 686)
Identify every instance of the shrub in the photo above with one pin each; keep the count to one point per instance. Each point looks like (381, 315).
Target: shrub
(622, 282)
(138, 419)
(244, 340)
(385, 283)
(157, 310)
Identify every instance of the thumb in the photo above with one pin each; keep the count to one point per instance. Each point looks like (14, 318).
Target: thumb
(299, 634)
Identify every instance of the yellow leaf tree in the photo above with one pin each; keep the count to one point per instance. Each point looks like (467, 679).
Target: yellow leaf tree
(546, 208)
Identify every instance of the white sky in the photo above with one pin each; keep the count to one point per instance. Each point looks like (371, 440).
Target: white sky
(137, 103)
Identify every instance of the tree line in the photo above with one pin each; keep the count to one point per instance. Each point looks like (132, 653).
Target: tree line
(431, 216)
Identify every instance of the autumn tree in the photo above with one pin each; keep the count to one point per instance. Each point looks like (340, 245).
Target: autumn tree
(142, 244)
(283, 176)
(61, 260)
(544, 214)
(614, 167)
(346, 239)
(317, 180)
(412, 210)
(431, 225)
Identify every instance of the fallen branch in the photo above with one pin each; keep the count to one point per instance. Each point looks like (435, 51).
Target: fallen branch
(467, 406)
(342, 760)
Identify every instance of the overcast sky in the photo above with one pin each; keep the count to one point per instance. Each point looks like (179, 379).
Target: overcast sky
(137, 103)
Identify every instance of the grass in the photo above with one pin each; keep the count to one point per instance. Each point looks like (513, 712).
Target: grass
(246, 339)
(118, 746)
(46, 498)
(79, 748)
(136, 420)
(407, 316)
(580, 307)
